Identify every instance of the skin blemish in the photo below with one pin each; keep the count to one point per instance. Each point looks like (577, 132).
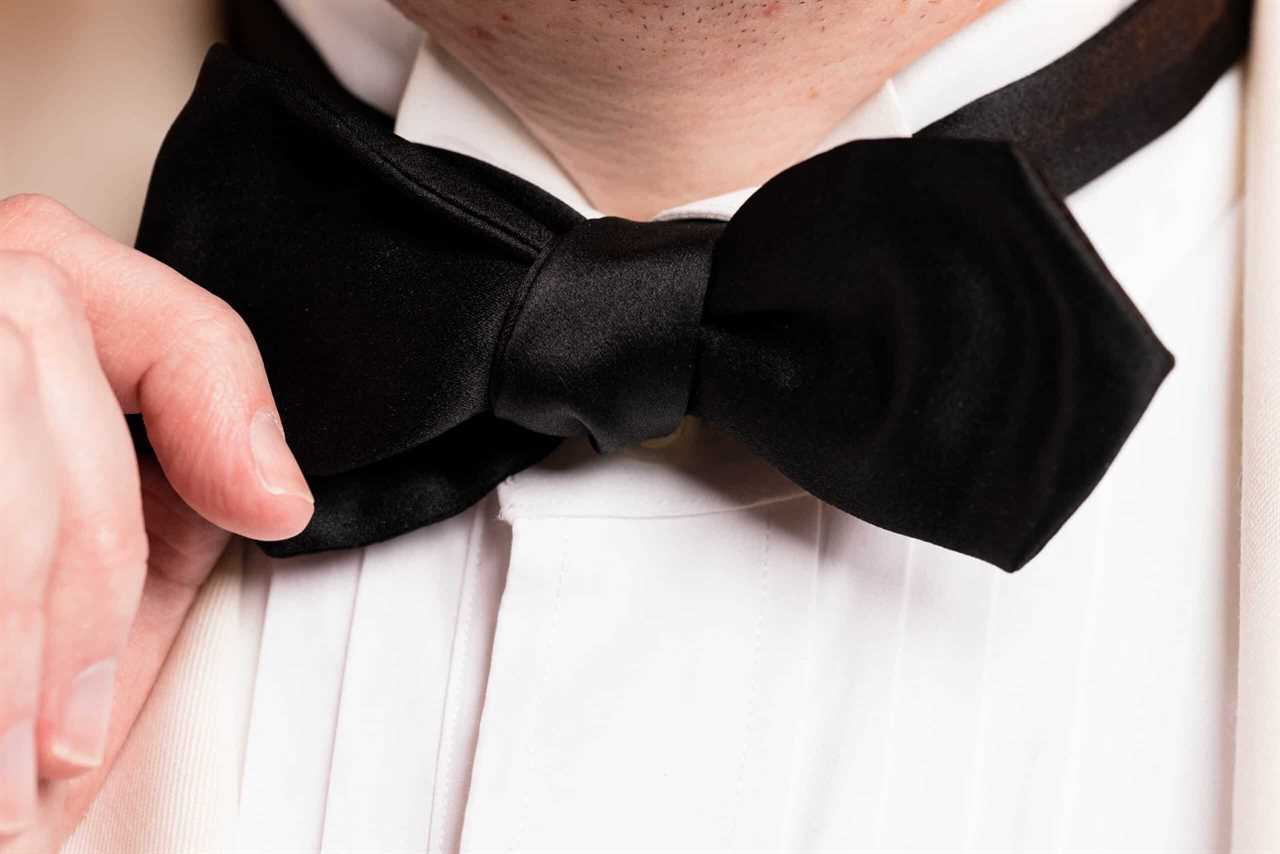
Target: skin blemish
(771, 9)
(481, 34)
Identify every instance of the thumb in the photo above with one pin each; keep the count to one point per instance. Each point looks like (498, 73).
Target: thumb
(210, 416)
(188, 363)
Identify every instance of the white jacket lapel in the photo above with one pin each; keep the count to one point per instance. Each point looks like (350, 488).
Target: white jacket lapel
(1257, 779)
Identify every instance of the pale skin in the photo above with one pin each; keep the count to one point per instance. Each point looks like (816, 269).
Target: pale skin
(684, 99)
(668, 101)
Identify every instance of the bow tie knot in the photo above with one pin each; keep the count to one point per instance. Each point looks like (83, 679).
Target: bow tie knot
(601, 338)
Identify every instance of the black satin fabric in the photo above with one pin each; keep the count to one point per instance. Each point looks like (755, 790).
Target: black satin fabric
(352, 278)
(1136, 78)
(602, 338)
(915, 331)
(918, 333)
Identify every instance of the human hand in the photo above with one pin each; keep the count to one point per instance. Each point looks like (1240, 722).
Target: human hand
(91, 329)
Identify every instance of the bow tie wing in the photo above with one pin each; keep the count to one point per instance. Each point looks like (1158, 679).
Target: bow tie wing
(375, 276)
(919, 333)
(374, 273)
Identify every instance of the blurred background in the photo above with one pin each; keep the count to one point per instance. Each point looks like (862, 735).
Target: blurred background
(65, 128)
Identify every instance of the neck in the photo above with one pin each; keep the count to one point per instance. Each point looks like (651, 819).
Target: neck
(648, 104)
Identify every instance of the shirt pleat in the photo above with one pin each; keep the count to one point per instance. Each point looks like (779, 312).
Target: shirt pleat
(294, 714)
(400, 647)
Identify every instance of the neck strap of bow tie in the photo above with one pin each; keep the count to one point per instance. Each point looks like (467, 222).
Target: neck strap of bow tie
(1119, 91)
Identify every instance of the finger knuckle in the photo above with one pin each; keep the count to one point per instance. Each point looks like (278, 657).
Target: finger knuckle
(109, 545)
(217, 326)
(206, 347)
(34, 205)
(36, 290)
(25, 213)
(19, 264)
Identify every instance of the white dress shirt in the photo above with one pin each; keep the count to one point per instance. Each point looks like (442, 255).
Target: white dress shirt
(673, 647)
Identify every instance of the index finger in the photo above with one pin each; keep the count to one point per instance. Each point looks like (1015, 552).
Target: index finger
(187, 362)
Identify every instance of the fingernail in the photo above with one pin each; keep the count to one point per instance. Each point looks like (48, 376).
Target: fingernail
(277, 470)
(82, 737)
(17, 778)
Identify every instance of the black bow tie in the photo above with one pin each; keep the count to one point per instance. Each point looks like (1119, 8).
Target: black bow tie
(915, 331)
